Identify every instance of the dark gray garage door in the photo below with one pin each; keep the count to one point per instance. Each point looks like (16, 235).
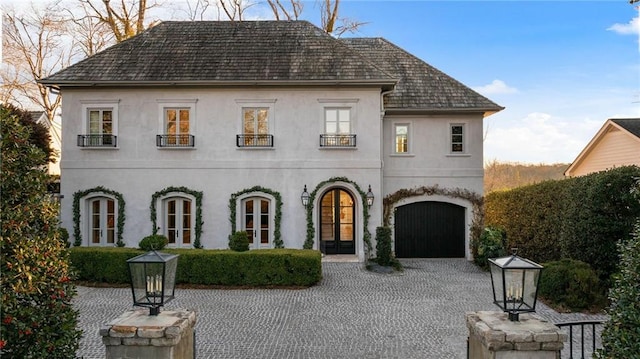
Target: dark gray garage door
(429, 230)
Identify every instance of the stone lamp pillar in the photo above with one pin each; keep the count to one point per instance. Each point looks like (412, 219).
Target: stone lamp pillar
(136, 334)
(492, 335)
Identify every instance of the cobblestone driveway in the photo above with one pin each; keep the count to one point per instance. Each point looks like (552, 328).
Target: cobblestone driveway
(352, 313)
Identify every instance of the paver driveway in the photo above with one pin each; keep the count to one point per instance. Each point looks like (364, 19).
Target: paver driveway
(352, 313)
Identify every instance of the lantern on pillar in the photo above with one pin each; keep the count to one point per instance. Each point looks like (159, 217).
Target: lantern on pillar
(515, 284)
(153, 279)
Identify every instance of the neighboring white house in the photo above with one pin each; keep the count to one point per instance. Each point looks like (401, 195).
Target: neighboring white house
(55, 133)
(197, 129)
(616, 144)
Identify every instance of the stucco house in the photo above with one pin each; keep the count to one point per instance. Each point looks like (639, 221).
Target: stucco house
(616, 144)
(198, 129)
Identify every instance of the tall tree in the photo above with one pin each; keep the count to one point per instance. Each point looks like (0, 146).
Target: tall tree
(125, 18)
(39, 45)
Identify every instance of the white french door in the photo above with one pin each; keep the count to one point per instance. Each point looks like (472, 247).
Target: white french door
(102, 220)
(179, 221)
(257, 222)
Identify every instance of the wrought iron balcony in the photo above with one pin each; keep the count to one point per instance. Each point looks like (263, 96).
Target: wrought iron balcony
(337, 140)
(97, 141)
(254, 140)
(175, 140)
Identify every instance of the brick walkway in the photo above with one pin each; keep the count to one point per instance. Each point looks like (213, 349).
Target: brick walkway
(352, 313)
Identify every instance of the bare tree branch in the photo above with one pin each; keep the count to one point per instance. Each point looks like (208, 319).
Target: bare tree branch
(125, 19)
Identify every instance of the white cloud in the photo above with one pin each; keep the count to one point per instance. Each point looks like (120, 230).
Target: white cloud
(496, 87)
(539, 138)
(630, 28)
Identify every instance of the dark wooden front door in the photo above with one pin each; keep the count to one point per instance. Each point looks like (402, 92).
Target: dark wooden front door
(430, 230)
(337, 222)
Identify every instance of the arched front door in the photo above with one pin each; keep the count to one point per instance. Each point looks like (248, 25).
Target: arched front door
(337, 218)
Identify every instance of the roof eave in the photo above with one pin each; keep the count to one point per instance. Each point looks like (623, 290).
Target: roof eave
(485, 111)
(385, 84)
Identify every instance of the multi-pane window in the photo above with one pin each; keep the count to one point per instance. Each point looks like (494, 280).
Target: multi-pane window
(102, 221)
(177, 126)
(401, 137)
(256, 221)
(457, 138)
(337, 121)
(100, 128)
(178, 220)
(255, 128)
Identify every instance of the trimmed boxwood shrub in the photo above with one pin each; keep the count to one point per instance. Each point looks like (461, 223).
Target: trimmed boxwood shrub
(570, 283)
(383, 246)
(239, 241)
(258, 268)
(153, 242)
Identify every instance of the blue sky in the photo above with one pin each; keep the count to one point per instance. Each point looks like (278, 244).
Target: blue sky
(561, 68)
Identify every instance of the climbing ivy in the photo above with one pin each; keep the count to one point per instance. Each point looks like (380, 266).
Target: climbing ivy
(366, 237)
(277, 240)
(198, 197)
(476, 200)
(77, 233)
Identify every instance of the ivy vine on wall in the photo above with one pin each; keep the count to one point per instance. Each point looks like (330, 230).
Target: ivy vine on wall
(77, 233)
(196, 194)
(476, 200)
(311, 231)
(277, 240)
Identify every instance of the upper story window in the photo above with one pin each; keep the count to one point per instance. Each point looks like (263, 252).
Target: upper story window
(457, 134)
(255, 128)
(256, 123)
(100, 125)
(401, 138)
(177, 124)
(337, 128)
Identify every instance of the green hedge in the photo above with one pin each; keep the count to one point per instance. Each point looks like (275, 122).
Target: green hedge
(259, 268)
(579, 218)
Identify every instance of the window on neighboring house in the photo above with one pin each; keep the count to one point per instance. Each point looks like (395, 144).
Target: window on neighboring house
(337, 128)
(401, 137)
(100, 126)
(457, 138)
(256, 221)
(255, 128)
(102, 221)
(178, 221)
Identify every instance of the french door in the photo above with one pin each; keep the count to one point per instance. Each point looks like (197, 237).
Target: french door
(337, 227)
(179, 220)
(102, 230)
(257, 219)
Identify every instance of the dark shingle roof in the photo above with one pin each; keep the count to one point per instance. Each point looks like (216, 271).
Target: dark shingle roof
(421, 86)
(630, 124)
(224, 51)
(273, 53)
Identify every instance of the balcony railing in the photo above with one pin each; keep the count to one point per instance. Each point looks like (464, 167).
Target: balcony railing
(254, 140)
(97, 141)
(175, 140)
(337, 140)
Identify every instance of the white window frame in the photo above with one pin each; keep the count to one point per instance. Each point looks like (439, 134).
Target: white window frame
(464, 139)
(161, 217)
(270, 105)
(107, 104)
(332, 104)
(240, 201)
(394, 134)
(86, 218)
(177, 104)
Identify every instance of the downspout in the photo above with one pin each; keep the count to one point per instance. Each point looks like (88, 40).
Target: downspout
(382, 113)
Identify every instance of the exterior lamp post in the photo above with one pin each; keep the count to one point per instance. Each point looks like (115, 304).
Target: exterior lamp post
(370, 197)
(515, 284)
(305, 197)
(153, 279)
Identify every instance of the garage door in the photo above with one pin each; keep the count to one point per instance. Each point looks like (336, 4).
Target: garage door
(429, 230)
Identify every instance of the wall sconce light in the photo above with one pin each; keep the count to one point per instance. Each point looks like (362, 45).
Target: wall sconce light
(515, 284)
(370, 197)
(305, 197)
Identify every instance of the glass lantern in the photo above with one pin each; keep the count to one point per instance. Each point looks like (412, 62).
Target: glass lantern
(153, 278)
(370, 197)
(515, 284)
